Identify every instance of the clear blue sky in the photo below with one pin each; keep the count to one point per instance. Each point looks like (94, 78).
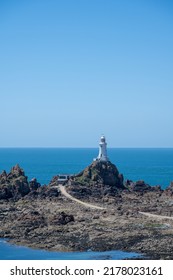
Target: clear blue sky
(72, 70)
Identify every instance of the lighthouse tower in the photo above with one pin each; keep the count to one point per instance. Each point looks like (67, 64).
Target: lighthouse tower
(102, 150)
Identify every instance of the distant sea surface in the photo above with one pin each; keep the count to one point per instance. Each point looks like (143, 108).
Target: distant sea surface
(154, 166)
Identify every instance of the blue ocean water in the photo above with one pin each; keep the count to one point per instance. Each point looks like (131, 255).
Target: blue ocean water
(155, 166)
(13, 252)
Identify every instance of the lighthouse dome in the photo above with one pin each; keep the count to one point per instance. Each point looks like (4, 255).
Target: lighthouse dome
(102, 139)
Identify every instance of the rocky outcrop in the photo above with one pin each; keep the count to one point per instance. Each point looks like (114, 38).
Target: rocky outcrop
(140, 186)
(61, 219)
(54, 180)
(98, 191)
(13, 185)
(58, 223)
(137, 186)
(97, 180)
(101, 172)
(30, 219)
(169, 189)
(48, 192)
(33, 184)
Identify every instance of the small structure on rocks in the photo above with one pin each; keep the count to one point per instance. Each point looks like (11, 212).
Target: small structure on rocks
(62, 178)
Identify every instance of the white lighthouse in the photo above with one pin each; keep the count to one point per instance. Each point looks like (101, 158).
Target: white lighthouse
(102, 150)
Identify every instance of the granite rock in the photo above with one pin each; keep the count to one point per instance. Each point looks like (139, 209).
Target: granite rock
(33, 184)
(105, 173)
(14, 184)
(169, 189)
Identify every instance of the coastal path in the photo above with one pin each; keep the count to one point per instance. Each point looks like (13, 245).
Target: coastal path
(156, 216)
(65, 193)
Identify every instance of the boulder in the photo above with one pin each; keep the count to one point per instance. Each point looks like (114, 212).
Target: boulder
(62, 219)
(53, 182)
(169, 189)
(141, 186)
(44, 192)
(33, 184)
(138, 186)
(14, 184)
(48, 192)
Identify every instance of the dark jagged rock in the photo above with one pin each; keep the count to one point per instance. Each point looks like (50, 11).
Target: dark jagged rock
(33, 184)
(13, 185)
(44, 192)
(54, 180)
(105, 173)
(169, 189)
(3, 177)
(80, 191)
(62, 219)
(140, 186)
(16, 171)
(30, 219)
(97, 180)
(137, 186)
(48, 192)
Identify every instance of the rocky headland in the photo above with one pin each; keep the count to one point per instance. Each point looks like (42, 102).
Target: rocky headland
(131, 216)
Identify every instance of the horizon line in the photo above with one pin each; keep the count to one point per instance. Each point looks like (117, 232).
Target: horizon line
(44, 147)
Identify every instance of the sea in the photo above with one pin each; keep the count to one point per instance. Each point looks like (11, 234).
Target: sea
(153, 165)
(15, 252)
